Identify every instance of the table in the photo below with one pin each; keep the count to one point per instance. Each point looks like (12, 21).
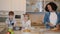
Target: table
(19, 32)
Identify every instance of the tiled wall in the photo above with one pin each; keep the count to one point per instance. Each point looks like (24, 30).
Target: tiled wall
(2, 19)
(39, 5)
(36, 18)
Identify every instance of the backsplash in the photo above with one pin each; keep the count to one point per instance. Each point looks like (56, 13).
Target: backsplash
(2, 19)
(4, 14)
(36, 17)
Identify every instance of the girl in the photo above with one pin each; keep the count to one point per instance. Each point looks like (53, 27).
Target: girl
(26, 23)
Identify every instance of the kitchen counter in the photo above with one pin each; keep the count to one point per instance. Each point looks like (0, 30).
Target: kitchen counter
(2, 28)
(17, 32)
(37, 30)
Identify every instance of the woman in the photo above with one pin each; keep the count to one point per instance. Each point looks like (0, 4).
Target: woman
(26, 23)
(52, 18)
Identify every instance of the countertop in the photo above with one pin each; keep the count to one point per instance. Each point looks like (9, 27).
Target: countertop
(37, 30)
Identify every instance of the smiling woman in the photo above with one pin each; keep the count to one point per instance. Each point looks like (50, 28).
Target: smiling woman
(52, 17)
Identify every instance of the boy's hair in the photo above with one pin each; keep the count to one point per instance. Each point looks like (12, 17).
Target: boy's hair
(11, 13)
(53, 6)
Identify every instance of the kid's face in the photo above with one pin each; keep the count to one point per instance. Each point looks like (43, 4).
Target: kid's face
(49, 8)
(26, 17)
(11, 16)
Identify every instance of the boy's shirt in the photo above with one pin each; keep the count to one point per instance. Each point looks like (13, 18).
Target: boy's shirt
(10, 23)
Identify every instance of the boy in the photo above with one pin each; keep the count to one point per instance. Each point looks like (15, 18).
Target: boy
(10, 21)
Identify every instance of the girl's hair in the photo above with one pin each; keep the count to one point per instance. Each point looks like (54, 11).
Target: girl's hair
(53, 6)
(11, 13)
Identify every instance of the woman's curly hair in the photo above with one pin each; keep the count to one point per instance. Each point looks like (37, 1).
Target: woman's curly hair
(53, 6)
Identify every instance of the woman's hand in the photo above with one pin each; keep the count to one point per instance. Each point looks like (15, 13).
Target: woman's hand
(50, 24)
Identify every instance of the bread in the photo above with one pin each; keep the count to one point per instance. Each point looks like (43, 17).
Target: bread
(26, 30)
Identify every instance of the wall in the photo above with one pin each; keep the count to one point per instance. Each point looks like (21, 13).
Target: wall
(18, 5)
(36, 18)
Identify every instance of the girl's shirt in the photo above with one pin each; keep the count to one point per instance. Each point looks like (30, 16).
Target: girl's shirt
(26, 24)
